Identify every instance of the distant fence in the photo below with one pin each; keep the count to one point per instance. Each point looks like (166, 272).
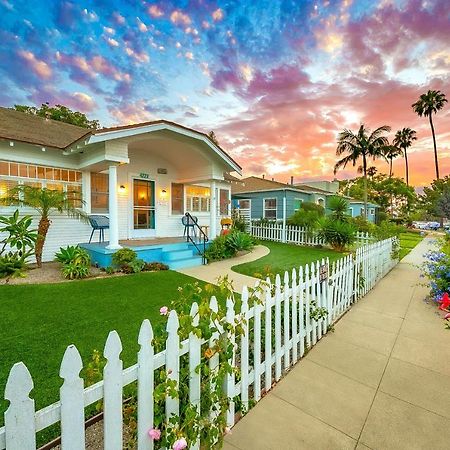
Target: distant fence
(275, 231)
(277, 332)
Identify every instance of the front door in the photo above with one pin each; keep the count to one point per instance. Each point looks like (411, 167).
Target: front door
(143, 208)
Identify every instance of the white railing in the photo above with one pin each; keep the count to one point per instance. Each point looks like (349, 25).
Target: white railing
(275, 231)
(277, 332)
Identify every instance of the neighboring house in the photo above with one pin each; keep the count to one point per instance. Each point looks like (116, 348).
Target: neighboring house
(144, 177)
(259, 198)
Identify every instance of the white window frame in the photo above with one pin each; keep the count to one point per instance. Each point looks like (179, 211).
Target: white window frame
(301, 202)
(321, 199)
(249, 200)
(372, 211)
(351, 211)
(188, 200)
(270, 209)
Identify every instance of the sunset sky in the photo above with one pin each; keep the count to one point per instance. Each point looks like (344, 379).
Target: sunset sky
(275, 80)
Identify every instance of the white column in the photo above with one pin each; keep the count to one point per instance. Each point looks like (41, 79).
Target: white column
(284, 217)
(213, 210)
(113, 210)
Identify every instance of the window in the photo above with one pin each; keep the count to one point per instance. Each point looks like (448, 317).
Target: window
(244, 204)
(224, 201)
(99, 192)
(321, 202)
(350, 212)
(270, 208)
(372, 211)
(177, 193)
(297, 204)
(198, 199)
(13, 174)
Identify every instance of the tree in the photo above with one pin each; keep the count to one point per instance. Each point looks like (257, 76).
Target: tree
(429, 103)
(390, 152)
(339, 207)
(213, 137)
(443, 204)
(362, 145)
(404, 139)
(429, 200)
(60, 113)
(44, 201)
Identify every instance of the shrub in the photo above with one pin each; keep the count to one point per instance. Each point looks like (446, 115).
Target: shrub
(307, 216)
(155, 267)
(336, 233)
(239, 241)
(363, 225)
(339, 208)
(75, 261)
(387, 229)
(123, 257)
(136, 266)
(218, 249)
(239, 223)
(11, 266)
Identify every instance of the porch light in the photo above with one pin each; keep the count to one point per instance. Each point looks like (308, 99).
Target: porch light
(122, 188)
(163, 193)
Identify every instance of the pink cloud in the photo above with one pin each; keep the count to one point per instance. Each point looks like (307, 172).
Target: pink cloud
(217, 15)
(179, 18)
(155, 11)
(39, 67)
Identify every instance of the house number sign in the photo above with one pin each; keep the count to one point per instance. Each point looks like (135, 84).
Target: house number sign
(144, 175)
(323, 273)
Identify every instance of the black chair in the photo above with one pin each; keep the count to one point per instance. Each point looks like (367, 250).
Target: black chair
(189, 223)
(100, 223)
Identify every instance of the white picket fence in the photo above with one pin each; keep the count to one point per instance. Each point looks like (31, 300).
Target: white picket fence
(282, 329)
(275, 231)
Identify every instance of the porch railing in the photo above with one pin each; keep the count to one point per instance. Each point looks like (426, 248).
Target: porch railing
(203, 238)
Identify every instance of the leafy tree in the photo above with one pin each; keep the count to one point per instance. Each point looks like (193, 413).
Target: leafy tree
(307, 216)
(61, 113)
(361, 145)
(390, 193)
(432, 194)
(429, 103)
(44, 201)
(443, 204)
(404, 139)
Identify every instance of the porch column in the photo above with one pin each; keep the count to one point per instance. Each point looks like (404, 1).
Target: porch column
(113, 209)
(213, 210)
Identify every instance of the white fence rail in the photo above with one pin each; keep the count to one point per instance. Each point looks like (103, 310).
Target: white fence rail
(274, 231)
(277, 332)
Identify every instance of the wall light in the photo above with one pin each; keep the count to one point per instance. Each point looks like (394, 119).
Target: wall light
(163, 194)
(122, 188)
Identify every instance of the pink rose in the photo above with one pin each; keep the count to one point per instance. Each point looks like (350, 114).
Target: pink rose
(154, 434)
(180, 444)
(164, 310)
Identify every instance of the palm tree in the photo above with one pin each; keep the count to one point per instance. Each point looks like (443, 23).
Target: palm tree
(390, 152)
(361, 145)
(404, 139)
(45, 201)
(429, 103)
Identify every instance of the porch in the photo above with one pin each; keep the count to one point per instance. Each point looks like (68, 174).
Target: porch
(176, 252)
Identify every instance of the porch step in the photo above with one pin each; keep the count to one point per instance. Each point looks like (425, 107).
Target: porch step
(193, 261)
(175, 255)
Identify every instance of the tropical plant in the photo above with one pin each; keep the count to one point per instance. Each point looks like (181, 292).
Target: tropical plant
(17, 245)
(336, 233)
(429, 103)
(75, 270)
(60, 113)
(123, 257)
(390, 152)
(361, 145)
(307, 216)
(73, 253)
(239, 241)
(45, 201)
(339, 208)
(404, 139)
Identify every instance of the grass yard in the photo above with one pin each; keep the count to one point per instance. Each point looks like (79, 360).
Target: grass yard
(38, 322)
(285, 257)
(408, 241)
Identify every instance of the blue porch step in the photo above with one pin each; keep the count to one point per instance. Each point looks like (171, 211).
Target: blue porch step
(181, 255)
(194, 261)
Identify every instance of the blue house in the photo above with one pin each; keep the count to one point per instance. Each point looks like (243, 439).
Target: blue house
(258, 198)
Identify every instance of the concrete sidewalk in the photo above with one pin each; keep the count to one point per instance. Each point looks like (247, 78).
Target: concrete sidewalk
(380, 381)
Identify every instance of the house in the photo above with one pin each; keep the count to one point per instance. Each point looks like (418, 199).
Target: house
(144, 177)
(259, 198)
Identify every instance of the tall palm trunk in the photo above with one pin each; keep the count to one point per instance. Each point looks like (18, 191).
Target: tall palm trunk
(406, 167)
(44, 225)
(365, 185)
(436, 163)
(390, 168)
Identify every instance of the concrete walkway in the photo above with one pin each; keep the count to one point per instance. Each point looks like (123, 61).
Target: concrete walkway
(380, 381)
(213, 271)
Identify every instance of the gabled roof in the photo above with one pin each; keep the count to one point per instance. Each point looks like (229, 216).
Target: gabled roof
(31, 129)
(256, 184)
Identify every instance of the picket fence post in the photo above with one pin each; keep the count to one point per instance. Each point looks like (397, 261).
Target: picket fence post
(268, 338)
(173, 362)
(230, 377)
(244, 349)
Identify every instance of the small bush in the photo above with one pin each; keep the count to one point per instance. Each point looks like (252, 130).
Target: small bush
(363, 225)
(239, 241)
(155, 267)
(336, 233)
(218, 249)
(307, 216)
(12, 266)
(74, 270)
(388, 229)
(239, 223)
(75, 261)
(123, 257)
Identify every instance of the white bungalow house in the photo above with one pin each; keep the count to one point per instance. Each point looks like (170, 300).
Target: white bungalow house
(144, 177)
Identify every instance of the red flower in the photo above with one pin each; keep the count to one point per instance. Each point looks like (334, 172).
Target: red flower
(444, 302)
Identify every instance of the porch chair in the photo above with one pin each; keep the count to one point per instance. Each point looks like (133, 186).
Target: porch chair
(100, 223)
(189, 223)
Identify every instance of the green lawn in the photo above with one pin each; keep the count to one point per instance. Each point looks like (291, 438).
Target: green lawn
(38, 322)
(408, 241)
(285, 257)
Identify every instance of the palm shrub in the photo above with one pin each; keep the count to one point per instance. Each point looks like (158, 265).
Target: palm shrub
(336, 233)
(17, 245)
(75, 261)
(239, 241)
(339, 208)
(45, 202)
